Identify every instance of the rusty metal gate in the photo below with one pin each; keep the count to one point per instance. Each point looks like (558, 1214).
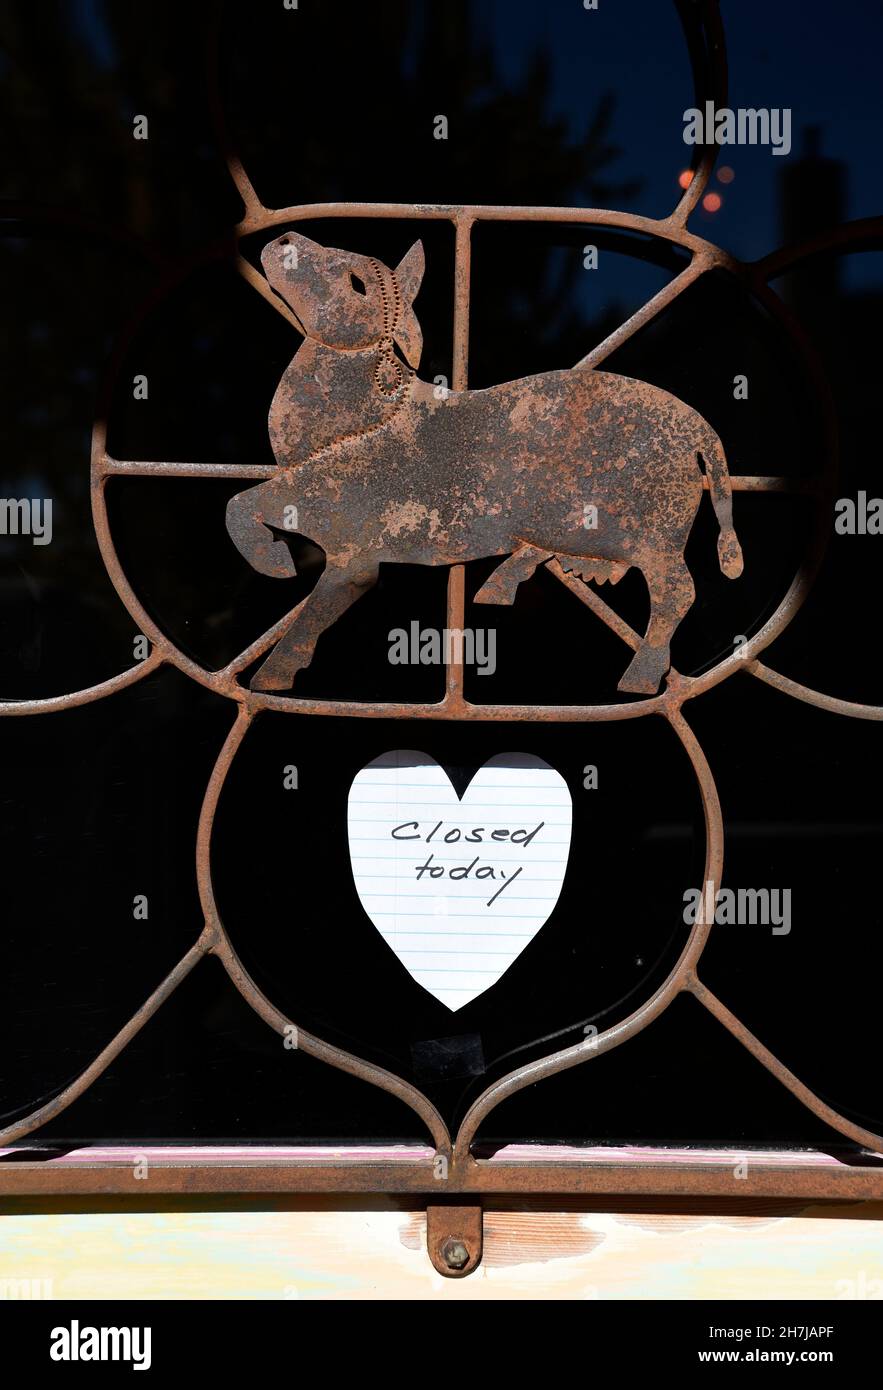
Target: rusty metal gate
(454, 1234)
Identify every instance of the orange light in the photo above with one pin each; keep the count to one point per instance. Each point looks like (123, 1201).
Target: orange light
(725, 174)
(685, 178)
(711, 202)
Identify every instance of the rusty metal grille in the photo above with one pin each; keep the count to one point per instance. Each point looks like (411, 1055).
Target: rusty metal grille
(466, 1172)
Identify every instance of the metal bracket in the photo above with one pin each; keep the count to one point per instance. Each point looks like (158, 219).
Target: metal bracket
(454, 1239)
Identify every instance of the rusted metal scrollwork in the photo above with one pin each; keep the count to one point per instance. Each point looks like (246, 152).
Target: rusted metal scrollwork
(503, 472)
(363, 345)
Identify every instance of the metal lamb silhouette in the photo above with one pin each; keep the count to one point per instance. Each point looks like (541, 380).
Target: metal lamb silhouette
(377, 466)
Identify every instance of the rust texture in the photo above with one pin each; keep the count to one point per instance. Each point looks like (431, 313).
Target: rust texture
(454, 1238)
(597, 471)
(452, 479)
(653, 1179)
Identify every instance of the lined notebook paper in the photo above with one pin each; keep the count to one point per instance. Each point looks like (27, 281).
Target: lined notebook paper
(458, 889)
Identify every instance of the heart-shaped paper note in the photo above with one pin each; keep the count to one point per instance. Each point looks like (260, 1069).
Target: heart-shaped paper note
(456, 888)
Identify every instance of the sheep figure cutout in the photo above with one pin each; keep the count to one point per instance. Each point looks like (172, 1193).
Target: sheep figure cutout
(376, 466)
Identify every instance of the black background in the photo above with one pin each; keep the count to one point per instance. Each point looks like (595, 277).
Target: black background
(100, 803)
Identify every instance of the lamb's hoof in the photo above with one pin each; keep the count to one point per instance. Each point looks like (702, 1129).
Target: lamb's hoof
(494, 593)
(269, 681)
(638, 685)
(643, 675)
(276, 675)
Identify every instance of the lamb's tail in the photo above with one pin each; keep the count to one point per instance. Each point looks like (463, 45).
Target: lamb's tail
(728, 548)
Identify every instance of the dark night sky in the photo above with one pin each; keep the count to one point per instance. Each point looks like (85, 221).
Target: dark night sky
(821, 60)
(104, 801)
(777, 58)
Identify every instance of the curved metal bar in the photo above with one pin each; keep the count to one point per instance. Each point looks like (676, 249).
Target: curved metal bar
(813, 697)
(258, 217)
(214, 937)
(262, 285)
(250, 200)
(795, 597)
(698, 266)
(677, 980)
(705, 256)
(74, 698)
(169, 652)
(263, 643)
(325, 1052)
(824, 1112)
(708, 57)
(666, 228)
(222, 947)
(832, 239)
(224, 681)
(101, 464)
(760, 272)
(822, 490)
(715, 54)
(114, 1048)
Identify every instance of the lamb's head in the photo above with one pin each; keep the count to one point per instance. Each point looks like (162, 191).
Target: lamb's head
(344, 300)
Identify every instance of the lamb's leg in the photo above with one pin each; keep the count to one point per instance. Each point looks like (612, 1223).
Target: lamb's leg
(501, 585)
(336, 591)
(671, 594)
(254, 540)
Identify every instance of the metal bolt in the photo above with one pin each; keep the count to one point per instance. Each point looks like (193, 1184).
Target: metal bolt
(455, 1254)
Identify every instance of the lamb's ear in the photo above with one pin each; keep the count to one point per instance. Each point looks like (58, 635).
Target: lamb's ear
(409, 272)
(409, 337)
